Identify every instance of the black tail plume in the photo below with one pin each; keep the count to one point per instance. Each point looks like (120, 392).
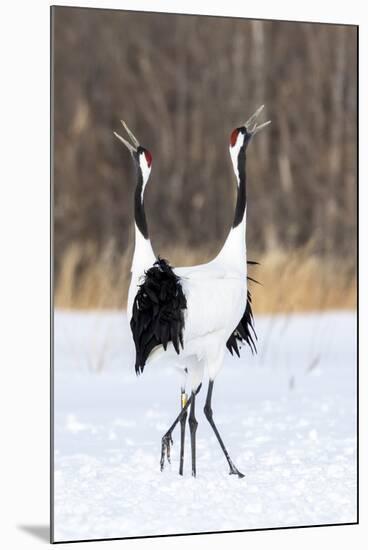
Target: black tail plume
(158, 312)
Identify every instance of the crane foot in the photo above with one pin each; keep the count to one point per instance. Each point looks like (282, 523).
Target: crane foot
(235, 471)
(166, 443)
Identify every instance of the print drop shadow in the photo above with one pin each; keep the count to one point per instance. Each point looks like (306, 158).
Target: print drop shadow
(40, 531)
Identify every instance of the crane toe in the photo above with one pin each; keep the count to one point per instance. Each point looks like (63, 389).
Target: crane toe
(235, 471)
(166, 443)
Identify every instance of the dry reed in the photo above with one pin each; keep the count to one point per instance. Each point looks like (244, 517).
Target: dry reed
(290, 281)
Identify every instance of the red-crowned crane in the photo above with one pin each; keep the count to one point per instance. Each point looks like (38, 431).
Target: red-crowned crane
(192, 314)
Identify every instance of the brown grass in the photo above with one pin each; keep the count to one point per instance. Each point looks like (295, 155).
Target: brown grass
(290, 282)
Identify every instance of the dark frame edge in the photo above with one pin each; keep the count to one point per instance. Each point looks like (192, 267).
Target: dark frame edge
(357, 275)
(52, 79)
(288, 527)
(204, 15)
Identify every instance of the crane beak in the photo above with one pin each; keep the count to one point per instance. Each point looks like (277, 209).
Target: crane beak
(131, 148)
(252, 122)
(256, 128)
(126, 143)
(130, 134)
(252, 118)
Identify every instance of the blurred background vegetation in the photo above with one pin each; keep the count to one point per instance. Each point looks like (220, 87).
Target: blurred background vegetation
(183, 83)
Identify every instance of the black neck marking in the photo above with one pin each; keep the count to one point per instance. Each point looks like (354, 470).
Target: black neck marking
(241, 200)
(139, 212)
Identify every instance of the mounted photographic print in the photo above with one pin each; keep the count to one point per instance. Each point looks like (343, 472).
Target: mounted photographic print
(204, 235)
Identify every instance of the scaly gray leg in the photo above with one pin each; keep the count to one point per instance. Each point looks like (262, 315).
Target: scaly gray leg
(209, 415)
(167, 441)
(193, 428)
(184, 399)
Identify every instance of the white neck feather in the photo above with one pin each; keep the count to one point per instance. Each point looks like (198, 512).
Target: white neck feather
(234, 251)
(144, 256)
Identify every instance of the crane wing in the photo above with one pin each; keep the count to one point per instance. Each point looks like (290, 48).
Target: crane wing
(158, 312)
(244, 332)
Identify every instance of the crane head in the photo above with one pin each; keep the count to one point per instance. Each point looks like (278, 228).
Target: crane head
(241, 136)
(141, 155)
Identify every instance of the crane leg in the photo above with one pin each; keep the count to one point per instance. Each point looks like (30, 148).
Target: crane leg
(167, 441)
(209, 415)
(193, 428)
(183, 420)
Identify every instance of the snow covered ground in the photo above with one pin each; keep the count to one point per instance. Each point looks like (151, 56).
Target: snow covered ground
(287, 416)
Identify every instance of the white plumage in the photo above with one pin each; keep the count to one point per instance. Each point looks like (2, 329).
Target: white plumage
(216, 300)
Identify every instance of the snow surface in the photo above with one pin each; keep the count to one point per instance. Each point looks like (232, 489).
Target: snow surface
(287, 416)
